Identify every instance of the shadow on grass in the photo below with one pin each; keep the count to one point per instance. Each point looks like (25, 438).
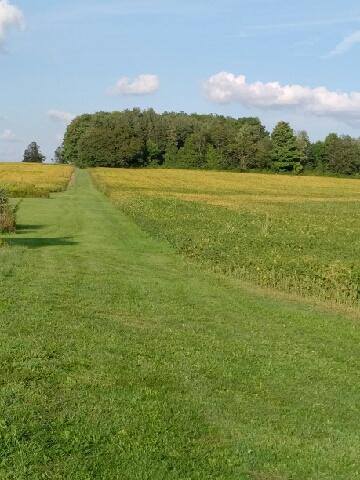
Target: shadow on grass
(41, 242)
(23, 228)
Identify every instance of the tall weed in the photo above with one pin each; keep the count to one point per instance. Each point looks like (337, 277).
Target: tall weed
(7, 213)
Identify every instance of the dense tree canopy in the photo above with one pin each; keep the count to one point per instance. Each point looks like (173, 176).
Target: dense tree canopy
(135, 138)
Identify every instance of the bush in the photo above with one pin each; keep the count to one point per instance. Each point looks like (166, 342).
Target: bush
(7, 213)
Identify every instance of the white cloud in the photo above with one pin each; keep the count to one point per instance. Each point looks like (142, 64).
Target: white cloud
(10, 16)
(59, 116)
(8, 136)
(144, 84)
(227, 88)
(346, 44)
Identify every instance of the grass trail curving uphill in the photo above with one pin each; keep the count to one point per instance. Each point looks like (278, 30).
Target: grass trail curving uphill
(120, 361)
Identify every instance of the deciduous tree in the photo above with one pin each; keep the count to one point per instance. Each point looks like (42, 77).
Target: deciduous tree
(32, 154)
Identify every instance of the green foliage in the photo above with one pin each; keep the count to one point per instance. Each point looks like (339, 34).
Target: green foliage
(317, 156)
(250, 148)
(213, 158)
(33, 154)
(73, 135)
(153, 152)
(59, 155)
(342, 154)
(193, 153)
(303, 145)
(338, 155)
(110, 147)
(170, 158)
(285, 153)
(135, 138)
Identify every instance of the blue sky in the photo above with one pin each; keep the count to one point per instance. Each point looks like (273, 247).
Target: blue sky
(64, 58)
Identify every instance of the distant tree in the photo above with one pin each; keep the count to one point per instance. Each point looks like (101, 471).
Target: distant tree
(32, 154)
(153, 153)
(342, 154)
(59, 155)
(193, 153)
(304, 147)
(317, 156)
(136, 138)
(213, 158)
(170, 155)
(263, 153)
(110, 147)
(73, 134)
(285, 154)
(248, 148)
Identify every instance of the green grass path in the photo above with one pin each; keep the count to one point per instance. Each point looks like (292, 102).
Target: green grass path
(120, 361)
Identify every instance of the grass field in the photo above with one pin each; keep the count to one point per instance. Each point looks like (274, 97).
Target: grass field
(121, 360)
(34, 180)
(296, 234)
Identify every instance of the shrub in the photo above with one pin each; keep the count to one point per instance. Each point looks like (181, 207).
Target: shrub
(7, 213)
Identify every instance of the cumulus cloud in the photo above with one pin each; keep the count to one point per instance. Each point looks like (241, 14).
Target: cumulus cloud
(144, 84)
(228, 88)
(8, 136)
(60, 116)
(10, 16)
(346, 44)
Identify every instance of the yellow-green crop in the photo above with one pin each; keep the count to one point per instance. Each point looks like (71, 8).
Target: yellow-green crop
(34, 180)
(295, 234)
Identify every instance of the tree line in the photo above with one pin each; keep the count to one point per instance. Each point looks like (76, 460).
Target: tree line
(32, 154)
(135, 138)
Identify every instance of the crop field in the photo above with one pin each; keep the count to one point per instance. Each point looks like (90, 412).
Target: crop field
(34, 180)
(296, 234)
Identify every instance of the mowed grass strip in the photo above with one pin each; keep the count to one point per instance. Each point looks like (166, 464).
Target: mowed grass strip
(34, 180)
(121, 361)
(296, 234)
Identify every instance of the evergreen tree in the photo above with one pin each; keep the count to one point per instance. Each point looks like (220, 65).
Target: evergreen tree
(285, 154)
(32, 154)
